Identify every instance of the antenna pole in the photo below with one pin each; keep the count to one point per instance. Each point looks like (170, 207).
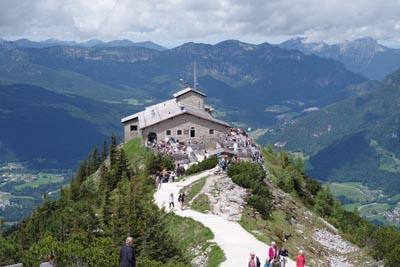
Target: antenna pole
(194, 76)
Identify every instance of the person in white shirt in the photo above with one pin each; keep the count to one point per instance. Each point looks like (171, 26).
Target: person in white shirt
(171, 201)
(49, 261)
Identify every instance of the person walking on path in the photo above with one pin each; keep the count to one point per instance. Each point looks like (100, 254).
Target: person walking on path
(181, 199)
(127, 257)
(252, 261)
(49, 261)
(171, 201)
(272, 254)
(283, 255)
(301, 259)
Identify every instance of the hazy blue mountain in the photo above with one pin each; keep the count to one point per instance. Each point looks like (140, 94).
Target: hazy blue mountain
(252, 77)
(48, 130)
(364, 55)
(357, 139)
(26, 43)
(243, 81)
(127, 43)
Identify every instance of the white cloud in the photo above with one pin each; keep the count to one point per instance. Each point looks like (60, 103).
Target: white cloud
(175, 21)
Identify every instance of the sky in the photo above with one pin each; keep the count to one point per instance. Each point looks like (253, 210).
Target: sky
(173, 22)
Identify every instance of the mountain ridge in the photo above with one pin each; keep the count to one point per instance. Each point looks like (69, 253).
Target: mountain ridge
(26, 43)
(364, 55)
(261, 75)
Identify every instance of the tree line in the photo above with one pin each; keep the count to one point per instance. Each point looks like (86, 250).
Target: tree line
(107, 200)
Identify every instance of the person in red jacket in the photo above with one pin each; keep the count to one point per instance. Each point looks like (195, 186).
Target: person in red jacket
(301, 259)
(272, 253)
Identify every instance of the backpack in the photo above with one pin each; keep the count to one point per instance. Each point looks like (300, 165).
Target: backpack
(258, 263)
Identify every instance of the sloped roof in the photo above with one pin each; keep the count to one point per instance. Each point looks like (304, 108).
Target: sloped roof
(168, 109)
(187, 90)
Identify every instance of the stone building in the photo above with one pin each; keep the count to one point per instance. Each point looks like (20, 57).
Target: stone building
(184, 118)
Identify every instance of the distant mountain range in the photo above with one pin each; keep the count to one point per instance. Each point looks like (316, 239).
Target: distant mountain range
(357, 139)
(26, 43)
(242, 80)
(364, 55)
(247, 84)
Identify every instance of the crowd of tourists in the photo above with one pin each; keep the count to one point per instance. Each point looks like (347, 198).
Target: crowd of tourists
(235, 141)
(179, 151)
(276, 258)
(165, 176)
(239, 143)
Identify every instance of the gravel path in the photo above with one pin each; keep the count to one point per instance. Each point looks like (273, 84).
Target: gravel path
(235, 241)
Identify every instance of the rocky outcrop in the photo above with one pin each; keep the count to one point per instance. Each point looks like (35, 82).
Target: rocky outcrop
(226, 198)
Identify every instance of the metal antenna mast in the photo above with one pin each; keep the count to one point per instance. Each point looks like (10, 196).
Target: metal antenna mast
(194, 76)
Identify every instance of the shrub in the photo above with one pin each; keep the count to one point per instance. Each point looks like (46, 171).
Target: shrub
(261, 204)
(159, 162)
(254, 171)
(251, 176)
(206, 164)
(242, 179)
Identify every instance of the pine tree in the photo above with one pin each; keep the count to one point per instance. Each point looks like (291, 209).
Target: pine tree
(107, 208)
(121, 167)
(1, 227)
(104, 152)
(104, 177)
(324, 202)
(94, 160)
(113, 151)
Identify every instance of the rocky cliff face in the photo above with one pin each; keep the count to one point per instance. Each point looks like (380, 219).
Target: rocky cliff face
(364, 55)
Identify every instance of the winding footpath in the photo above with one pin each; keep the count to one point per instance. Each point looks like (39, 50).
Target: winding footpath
(235, 241)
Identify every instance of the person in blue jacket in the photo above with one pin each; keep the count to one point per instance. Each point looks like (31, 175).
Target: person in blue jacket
(127, 256)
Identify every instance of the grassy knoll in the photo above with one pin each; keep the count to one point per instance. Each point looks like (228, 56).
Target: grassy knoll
(216, 256)
(193, 189)
(192, 234)
(135, 151)
(201, 203)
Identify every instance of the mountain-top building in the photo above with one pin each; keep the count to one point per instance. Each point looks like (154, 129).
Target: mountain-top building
(184, 118)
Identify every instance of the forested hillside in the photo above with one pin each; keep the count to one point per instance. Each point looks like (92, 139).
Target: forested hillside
(43, 129)
(353, 140)
(109, 198)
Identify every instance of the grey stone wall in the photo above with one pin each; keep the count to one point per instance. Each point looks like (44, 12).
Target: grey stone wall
(184, 123)
(192, 99)
(128, 134)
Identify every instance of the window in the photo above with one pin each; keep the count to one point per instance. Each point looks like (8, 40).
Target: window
(133, 128)
(211, 131)
(168, 132)
(186, 131)
(179, 132)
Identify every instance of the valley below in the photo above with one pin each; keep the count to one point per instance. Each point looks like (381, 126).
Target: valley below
(373, 205)
(21, 189)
